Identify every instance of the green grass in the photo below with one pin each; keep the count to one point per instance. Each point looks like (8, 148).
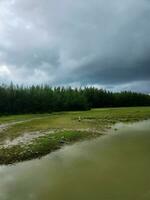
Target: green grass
(16, 118)
(68, 129)
(42, 146)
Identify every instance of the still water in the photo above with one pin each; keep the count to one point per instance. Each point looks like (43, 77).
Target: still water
(112, 167)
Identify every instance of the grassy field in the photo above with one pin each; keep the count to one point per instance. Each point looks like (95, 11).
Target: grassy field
(25, 137)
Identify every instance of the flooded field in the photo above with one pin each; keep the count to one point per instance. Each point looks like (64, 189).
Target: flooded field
(112, 167)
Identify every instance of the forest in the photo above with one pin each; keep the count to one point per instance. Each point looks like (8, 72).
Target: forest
(16, 99)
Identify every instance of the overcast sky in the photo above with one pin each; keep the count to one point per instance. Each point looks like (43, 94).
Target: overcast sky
(104, 43)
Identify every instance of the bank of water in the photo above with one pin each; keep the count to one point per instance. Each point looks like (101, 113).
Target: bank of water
(112, 167)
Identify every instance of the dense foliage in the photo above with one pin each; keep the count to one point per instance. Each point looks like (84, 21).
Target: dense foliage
(44, 99)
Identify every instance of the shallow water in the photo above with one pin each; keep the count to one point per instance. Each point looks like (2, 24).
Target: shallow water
(112, 167)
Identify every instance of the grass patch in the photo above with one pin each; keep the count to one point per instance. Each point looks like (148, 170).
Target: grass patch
(41, 146)
(67, 126)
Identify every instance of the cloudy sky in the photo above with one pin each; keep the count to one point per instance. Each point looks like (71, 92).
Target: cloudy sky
(102, 43)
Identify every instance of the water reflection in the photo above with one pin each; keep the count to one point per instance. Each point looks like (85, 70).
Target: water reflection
(113, 167)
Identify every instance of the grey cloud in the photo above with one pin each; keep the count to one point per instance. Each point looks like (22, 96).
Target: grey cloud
(114, 71)
(100, 42)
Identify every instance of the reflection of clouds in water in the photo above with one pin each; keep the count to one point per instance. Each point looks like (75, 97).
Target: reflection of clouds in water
(133, 126)
(67, 172)
(3, 196)
(6, 186)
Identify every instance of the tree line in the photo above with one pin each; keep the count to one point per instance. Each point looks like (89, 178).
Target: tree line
(16, 99)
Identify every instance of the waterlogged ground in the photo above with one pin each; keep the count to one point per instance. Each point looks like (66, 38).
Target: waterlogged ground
(25, 137)
(112, 167)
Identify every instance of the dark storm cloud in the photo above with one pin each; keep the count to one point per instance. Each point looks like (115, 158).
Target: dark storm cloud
(114, 71)
(99, 42)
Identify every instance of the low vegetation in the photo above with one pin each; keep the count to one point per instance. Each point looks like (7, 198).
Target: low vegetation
(51, 131)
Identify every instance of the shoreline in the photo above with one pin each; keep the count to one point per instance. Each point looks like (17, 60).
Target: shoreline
(37, 144)
(42, 146)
